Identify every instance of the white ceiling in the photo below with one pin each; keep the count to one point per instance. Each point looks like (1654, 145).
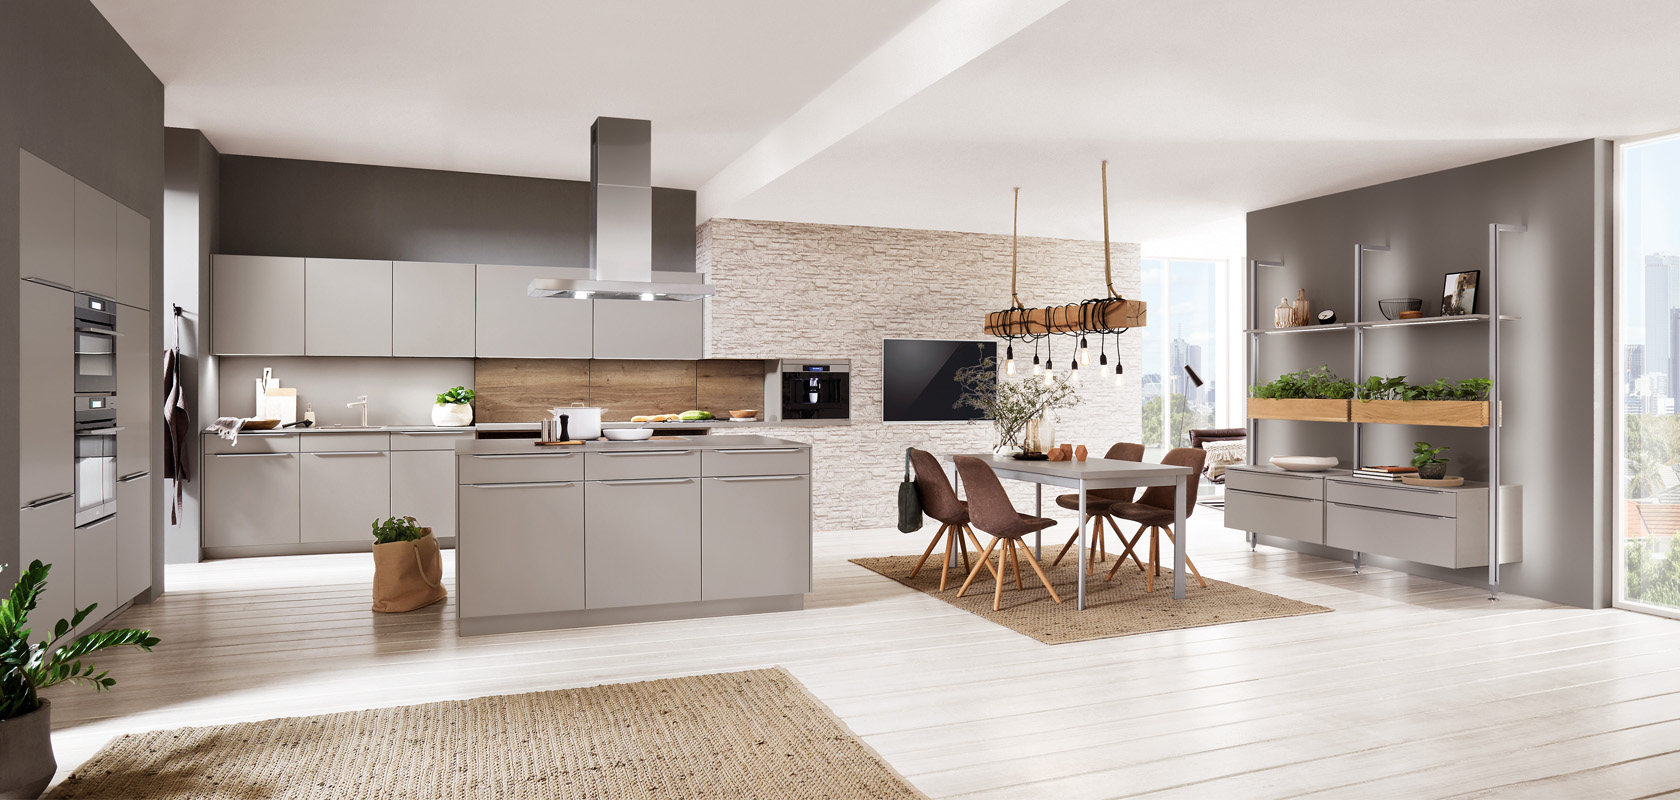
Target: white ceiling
(776, 110)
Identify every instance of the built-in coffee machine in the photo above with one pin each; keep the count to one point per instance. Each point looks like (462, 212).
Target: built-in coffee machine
(816, 390)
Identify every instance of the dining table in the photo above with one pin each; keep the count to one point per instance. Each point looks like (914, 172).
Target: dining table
(1096, 473)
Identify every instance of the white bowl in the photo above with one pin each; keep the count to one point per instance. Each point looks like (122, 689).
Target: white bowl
(627, 434)
(1305, 463)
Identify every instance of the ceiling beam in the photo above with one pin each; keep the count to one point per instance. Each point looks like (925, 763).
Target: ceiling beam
(936, 44)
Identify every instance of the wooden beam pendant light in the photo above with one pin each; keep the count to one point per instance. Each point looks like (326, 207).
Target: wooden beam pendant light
(1100, 316)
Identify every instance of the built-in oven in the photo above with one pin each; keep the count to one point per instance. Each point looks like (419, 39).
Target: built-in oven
(96, 458)
(96, 345)
(816, 390)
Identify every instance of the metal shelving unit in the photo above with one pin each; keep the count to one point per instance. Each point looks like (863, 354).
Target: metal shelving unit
(1361, 327)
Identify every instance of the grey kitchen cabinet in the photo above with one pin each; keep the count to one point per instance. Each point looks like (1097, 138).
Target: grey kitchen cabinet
(47, 533)
(423, 487)
(511, 324)
(46, 222)
(96, 242)
(347, 307)
(134, 536)
(257, 305)
(1446, 527)
(649, 329)
(251, 497)
(756, 536)
(138, 408)
(96, 569)
(432, 309)
(342, 494)
(1290, 517)
(134, 258)
(501, 567)
(45, 416)
(642, 542)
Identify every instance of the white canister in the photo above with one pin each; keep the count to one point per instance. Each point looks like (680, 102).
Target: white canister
(582, 422)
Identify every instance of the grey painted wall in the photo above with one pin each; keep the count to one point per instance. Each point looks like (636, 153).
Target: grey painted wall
(189, 239)
(73, 93)
(1555, 360)
(285, 207)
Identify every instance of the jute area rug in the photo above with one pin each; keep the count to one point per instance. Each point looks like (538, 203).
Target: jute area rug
(756, 734)
(1114, 608)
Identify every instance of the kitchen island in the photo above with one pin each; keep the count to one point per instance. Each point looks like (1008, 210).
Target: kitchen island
(606, 533)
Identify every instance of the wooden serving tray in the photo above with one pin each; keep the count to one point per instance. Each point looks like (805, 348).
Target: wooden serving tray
(1443, 483)
(557, 444)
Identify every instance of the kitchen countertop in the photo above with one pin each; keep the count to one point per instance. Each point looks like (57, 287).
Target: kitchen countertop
(487, 447)
(385, 429)
(711, 423)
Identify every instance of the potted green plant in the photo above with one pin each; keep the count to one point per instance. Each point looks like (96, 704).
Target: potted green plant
(1315, 395)
(1011, 404)
(1430, 465)
(26, 758)
(454, 408)
(407, 566)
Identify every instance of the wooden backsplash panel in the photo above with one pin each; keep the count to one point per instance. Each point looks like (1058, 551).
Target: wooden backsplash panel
(634, 388)
(725, 385)
(523, 389)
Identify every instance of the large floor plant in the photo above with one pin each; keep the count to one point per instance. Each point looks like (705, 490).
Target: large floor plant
(26, 669)
(1011, 403)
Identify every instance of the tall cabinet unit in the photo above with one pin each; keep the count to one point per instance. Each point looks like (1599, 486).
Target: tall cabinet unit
(46, 436)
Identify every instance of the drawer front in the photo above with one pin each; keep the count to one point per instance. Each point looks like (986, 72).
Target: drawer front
(1310, 487)
(1410, 537)
(634, 464)
(1394, 498)
(520, 468)
(428, 440)
(761, 461)
(252, 443)
(344, 442)
(1273, 515)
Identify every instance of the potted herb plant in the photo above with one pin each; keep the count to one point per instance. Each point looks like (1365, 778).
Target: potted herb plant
(1316, 395)
(1430, 465)
(407, 566)
(454, 408)
(1446, 402)
(1011, 404)
(26, 757)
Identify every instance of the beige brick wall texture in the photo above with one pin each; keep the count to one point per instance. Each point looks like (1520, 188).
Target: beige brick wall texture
(794, 290)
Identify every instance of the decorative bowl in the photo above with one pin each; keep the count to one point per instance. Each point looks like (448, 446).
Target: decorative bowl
(1392, 307)
(1305, 463)
(745, 413)
(627, 434)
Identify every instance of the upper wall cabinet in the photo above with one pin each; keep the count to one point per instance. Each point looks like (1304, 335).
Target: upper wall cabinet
(46, 222)
(432, 310)
(257, 305)
(134, 258)
(96, 242)
(512, 324)
(347, 307)
(649, 329)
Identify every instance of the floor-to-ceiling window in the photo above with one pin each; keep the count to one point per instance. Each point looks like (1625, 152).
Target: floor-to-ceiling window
(1648, 564)
(1185, 357)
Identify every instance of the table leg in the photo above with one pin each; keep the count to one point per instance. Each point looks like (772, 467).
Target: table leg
(1082, 553)
(1180, 501)
(1038, 511)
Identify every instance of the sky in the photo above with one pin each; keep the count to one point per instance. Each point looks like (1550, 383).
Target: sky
(1650, 207)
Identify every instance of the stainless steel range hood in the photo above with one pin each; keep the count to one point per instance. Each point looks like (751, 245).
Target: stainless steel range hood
(620, 221)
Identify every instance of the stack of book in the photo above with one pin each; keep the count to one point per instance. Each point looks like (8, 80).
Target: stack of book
(1391, 474)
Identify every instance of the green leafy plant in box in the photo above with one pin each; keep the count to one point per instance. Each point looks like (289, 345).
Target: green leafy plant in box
(1313, 384)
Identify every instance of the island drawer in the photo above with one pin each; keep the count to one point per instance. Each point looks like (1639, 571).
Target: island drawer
(252, 443)
(1393, 497)
(756, 461)
(1310, 487)
(634, 464)
(520, 468)
(1272, 515)
(428, 440)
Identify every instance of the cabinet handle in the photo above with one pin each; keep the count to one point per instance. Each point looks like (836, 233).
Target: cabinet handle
(527, 455)
(1383, 487)
(133, 477)
(53, 284)
(50, 499)
(1389, 511)
(646, 481)
(97, 332)
(761, 450)
(255, 455)
(649, 453)
(744, 478)
(433, 433)
(351, 453)
(518, 485)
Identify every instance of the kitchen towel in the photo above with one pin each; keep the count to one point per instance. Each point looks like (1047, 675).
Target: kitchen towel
(177, 423)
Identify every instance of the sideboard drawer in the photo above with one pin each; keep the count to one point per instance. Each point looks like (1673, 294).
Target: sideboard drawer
(1416, 500)
(520, 468)
(1423, 538)
(731, 462)
(1273, 515)
(1310, 487)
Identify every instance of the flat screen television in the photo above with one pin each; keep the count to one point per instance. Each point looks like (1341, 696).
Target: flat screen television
(919, 378)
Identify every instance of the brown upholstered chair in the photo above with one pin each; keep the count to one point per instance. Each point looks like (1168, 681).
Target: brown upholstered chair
(1201, 436)
(940, 502)
(990, 508)
(1154, 511)
(1097, 502)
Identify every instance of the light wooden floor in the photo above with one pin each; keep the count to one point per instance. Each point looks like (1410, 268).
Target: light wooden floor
(1411, 689)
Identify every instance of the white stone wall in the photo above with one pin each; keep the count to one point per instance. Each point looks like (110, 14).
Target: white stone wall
(792, 290)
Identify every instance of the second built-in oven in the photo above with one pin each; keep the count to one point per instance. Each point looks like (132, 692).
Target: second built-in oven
(96, 459)
(96, 345)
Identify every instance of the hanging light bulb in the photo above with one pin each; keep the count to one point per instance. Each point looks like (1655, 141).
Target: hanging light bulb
(1103, 342)
(1009, 360)
(1036, 367)
(1073, 374)
(1084, 352)
(1049, 378)
(1049, 370)
(1119, 372)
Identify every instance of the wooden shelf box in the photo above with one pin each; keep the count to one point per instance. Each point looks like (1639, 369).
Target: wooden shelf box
(1307, 410)
(1451, 413)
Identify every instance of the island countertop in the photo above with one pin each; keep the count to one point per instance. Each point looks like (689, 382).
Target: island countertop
(485, 447)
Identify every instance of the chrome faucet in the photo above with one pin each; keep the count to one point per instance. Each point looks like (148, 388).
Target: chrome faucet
(361, 400)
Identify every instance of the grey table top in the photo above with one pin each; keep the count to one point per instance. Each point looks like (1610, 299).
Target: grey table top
(485, 447)
(1089, 469)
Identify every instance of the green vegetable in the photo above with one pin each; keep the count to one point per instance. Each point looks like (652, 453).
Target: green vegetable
(1425, 455)
(459, 396)
(397, 529)
(26, 669)
(696, 416)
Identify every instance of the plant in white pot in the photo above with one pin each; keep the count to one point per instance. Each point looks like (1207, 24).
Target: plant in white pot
(454, 408)
(1011, 404)
(26, 757)
(407, 567)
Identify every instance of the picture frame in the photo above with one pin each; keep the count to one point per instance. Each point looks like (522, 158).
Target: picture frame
(1458, 293)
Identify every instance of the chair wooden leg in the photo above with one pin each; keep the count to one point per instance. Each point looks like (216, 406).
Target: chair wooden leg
(1003, 571)
(962, 546)
(1187, 561)
(1015, 561)
(950, 556)
(1101, 542)
(975, 540)
(1096, 543)
(1129, 551)
(1072, 540)
(984, 559)
(929, 550)
(1041, 577)
(1154, 559)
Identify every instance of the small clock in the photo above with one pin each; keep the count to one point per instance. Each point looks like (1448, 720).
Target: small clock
(1326, 317)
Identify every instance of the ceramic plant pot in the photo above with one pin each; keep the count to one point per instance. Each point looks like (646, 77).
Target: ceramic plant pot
(452, 415)
(1432, 472)
(26, 757)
